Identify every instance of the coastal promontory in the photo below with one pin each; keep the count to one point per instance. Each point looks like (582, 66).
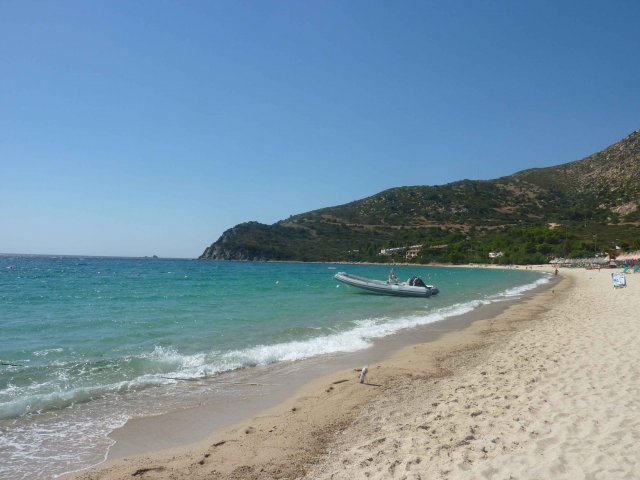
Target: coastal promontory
(577, 209)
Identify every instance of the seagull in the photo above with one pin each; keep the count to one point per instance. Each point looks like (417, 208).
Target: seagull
(363, 374)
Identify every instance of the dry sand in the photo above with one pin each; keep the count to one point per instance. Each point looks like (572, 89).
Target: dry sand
(549, 389)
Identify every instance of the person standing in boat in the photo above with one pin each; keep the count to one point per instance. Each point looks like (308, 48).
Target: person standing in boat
(392, 278)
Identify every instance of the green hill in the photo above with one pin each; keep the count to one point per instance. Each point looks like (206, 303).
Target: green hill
(572, 210)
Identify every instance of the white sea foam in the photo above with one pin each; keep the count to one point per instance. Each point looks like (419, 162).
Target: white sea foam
(30, 403)
(171, 358)
(519, 290)
(42, 353)
(358, 338)
(50, 447)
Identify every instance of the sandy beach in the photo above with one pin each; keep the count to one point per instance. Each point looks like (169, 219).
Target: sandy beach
(546, 389)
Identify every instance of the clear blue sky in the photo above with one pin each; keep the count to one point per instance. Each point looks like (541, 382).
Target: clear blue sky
(150, 127)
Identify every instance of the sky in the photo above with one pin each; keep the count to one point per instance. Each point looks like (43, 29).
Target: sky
(150, 127)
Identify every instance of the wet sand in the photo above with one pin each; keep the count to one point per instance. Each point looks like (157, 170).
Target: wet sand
(543, 389)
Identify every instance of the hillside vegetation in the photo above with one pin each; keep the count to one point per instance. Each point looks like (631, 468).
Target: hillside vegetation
(572, 210)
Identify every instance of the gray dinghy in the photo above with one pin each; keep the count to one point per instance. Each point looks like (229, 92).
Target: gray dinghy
(413, 288)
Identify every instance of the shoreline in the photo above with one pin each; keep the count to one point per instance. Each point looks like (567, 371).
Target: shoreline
(550, 391)
(273, 384)
(322, 403)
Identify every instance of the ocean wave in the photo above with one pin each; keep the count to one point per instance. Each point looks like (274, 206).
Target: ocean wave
(519, 290)
(42, 353)
(359, 337)
(29, 402)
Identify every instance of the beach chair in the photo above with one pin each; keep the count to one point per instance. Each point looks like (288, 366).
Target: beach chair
(636, 269)
(626, 269)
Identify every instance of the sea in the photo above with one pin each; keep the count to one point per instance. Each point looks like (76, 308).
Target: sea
(87, 343)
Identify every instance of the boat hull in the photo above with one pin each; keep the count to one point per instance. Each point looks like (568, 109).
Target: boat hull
(384, 288)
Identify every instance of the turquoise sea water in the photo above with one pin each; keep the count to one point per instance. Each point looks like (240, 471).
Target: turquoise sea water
(86, 343)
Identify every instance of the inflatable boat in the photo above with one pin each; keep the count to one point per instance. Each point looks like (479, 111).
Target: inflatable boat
(415, 287)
